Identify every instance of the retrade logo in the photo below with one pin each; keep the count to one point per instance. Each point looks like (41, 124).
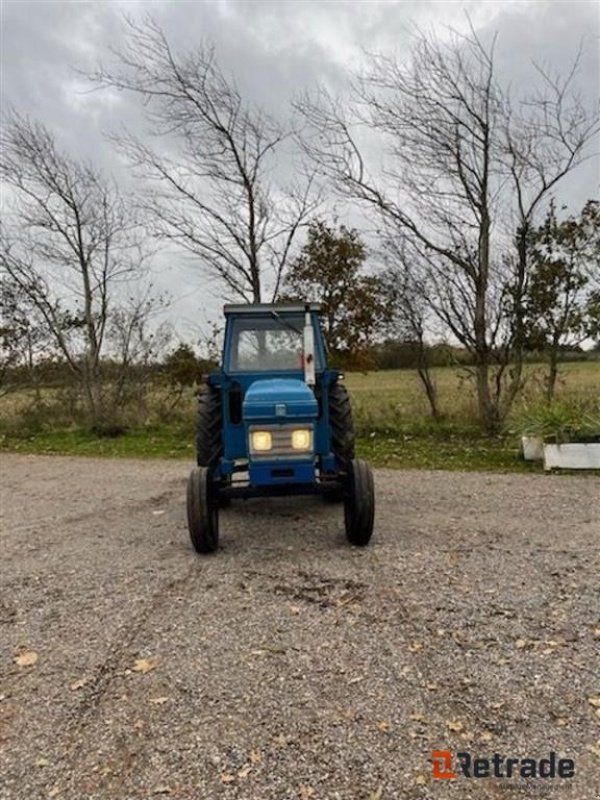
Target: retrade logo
(442, 765)
(446, 767)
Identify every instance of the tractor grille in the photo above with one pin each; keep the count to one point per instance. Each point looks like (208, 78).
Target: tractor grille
(282, 442)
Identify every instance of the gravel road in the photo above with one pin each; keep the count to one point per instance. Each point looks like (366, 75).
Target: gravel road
(289, 666)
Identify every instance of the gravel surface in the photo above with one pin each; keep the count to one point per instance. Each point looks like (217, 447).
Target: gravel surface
(290, 665)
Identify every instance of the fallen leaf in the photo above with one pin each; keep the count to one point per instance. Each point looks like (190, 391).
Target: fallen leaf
(486, 736)
(432, 687)
(595, 701)
(295, 609)
(42, 762)
(455, 725)
(414, 647)
(383, 725)
(593, 749)
(79, 684)
(158, 701)
(227, 777)
(245, 771)
(145, 665)
(26, 658)
(417, 717)
(520, 644)
(280, 740)
(256, 757)
(305, 792)
(377, 794)
(54, 792)
(420, 780)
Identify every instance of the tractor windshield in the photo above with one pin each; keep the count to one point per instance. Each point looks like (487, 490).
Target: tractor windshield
(263, 344)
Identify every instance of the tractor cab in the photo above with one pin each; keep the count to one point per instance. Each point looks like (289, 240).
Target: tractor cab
(275, 420)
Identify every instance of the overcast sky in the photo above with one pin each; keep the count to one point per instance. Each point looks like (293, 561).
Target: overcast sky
(275, 50)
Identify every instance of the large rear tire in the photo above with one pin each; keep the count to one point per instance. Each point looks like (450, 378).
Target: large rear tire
(342, 432)
(209, 428)
(342, 424)
(359, 503)
(202, 511)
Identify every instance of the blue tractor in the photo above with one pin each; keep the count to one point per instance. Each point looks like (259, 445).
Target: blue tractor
(273, 421)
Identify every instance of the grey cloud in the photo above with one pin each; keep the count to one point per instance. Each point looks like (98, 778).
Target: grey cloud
(275, 51)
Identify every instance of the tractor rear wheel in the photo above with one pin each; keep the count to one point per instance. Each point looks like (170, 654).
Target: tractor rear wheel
(202, 511)
(209, 428)
(342, 424)
(342, 432)
(359, 503)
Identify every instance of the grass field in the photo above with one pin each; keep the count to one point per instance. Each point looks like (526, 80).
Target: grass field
(392, 422)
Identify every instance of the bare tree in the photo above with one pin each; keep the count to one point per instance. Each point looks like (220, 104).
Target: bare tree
(466, 171)
(70, 242)
(406, 291)
(136, 342)
(23, 338)
(213, 195)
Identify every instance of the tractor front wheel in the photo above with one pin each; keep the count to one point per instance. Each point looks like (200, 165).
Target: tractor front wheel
(202, 511)
(359, 503)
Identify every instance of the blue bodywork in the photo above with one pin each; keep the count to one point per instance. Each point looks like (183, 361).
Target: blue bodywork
(273, 400)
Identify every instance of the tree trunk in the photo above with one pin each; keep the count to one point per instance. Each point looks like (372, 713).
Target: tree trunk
(552, 371)
(518, 326)
(426, 379)
(489, 413)
(430, 391)
(488, 408)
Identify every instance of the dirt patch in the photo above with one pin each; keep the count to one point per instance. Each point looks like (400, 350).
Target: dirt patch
(289, 665)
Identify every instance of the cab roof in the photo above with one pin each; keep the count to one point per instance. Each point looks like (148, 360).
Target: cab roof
(266, 308)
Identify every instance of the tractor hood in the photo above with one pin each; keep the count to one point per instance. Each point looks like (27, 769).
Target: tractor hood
(278, 399)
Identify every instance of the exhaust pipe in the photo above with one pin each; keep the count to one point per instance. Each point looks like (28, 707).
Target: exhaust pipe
(309, 349)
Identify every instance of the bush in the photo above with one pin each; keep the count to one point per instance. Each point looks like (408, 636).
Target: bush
(561, 421)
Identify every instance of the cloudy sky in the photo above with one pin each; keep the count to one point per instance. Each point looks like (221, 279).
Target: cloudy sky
(275, 50)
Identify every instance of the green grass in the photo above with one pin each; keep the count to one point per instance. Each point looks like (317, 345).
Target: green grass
(394, 398)
(458, 451)
(163, 442)
(392, 422)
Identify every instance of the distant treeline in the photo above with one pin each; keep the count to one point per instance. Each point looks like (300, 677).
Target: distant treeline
(183, 368)
(406, 355)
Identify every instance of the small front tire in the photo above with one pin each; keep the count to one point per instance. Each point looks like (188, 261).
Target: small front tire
(359, 503)
(202, 511)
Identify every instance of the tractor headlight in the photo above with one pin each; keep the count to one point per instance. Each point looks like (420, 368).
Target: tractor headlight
(262, 441)
(301, 439)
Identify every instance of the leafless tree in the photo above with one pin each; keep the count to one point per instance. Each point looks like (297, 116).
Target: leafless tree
(407, 291)
(69, 242)
(213, 194)
(136, 342)
(23, 338)
(466, 170)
